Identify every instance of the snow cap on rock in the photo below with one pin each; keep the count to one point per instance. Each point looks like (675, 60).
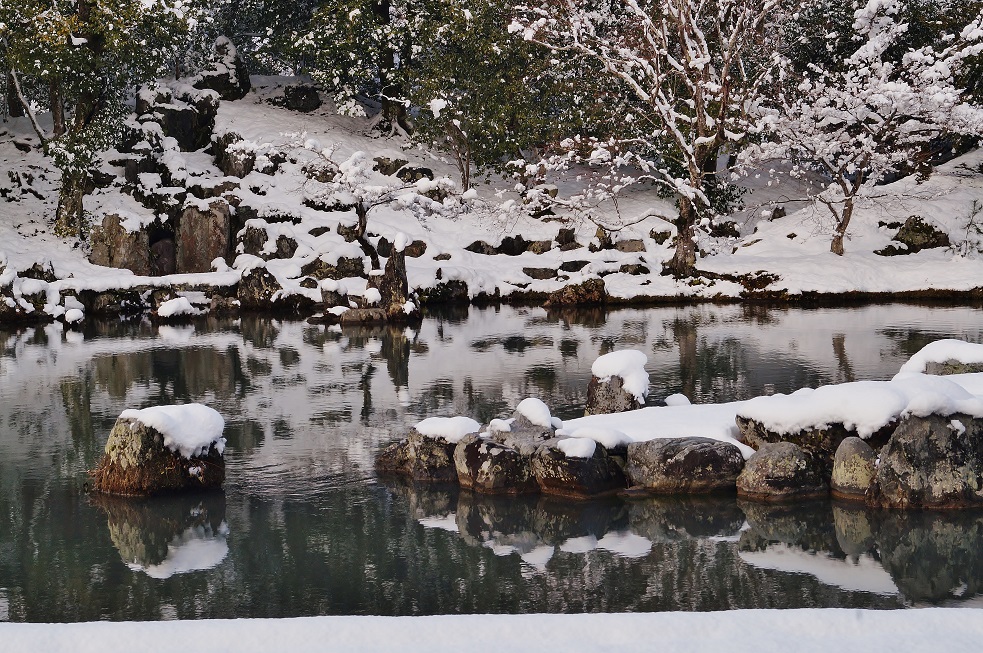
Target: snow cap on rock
(188, 429)
(628, 364)
(450, 429)
(536, 412)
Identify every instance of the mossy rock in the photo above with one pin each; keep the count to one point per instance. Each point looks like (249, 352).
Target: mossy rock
(137, 463)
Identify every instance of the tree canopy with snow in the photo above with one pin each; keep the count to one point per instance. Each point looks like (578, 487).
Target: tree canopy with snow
(873, 114)
(87, 56)
(695, 68)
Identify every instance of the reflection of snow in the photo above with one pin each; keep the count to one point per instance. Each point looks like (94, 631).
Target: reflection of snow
(446, 523)
(625, 544)
(196, 549)
(538, 557)
(176, 335)
(864, 575)
(4, 606)
(579, 544)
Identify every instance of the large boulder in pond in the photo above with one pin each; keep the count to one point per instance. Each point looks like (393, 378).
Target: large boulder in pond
(163, 449)
(577, 468)
(684, 465)
(427, 453)
(931, 462)
(486, 466)
(853, 469)
(781, 471)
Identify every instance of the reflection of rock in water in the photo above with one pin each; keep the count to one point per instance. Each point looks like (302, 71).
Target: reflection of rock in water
(168, 535)
(806, 540)
(672, 519)
(925, 556)
(854, 529)
(807, 526)
(933, 556)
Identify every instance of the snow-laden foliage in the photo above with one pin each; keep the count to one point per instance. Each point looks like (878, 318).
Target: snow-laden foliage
(87, 56)
(356, 182)
(696, 69)
(875, 113)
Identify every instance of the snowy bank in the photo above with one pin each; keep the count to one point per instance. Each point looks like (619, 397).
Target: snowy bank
(738, 631)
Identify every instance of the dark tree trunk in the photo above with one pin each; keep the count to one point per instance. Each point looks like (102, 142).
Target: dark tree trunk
(57, 106)
(683, 262)
(837, 245)
(68, 217)
(14, 107)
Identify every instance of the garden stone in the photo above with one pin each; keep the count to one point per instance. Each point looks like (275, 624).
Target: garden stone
(137, 462)
(683, 465)
(931, 462)
(853, 469)
(419, 457)
(781, 471)
(609, 396)
(486, 466)
(576, 478)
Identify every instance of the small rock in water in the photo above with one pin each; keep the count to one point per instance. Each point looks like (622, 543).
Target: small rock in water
(853, 469)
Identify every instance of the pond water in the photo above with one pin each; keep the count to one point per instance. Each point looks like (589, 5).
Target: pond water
(304, 527)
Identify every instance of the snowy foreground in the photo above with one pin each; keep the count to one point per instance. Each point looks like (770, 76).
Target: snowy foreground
(754, 631)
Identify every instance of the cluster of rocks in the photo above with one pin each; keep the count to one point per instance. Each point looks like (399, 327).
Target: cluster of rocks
(933, 462)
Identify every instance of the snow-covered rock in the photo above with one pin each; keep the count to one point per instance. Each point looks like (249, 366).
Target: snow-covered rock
(619, 382)
(163, 449)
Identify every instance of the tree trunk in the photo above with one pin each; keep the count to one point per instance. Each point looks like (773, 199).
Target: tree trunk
(837, 245)
(57, 106)
(683, 262)
(14, 108)
(68, 218)
(462, 152)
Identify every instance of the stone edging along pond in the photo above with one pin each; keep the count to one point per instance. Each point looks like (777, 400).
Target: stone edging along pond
(913, 442)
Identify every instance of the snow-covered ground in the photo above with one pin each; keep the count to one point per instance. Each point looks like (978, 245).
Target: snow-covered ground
(738, 631)
(793, 248)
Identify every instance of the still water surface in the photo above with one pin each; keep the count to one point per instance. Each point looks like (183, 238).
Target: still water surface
(304, 527)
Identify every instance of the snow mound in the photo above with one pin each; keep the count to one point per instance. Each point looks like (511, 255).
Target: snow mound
(74, 315)
(500, 426)
(188, 429)
(607, 437)
(630, 366)
(941, 351)
(863, 406)
(536, 412)
(678, 400)
(176, 306)
(450, 429)
(577, 447)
